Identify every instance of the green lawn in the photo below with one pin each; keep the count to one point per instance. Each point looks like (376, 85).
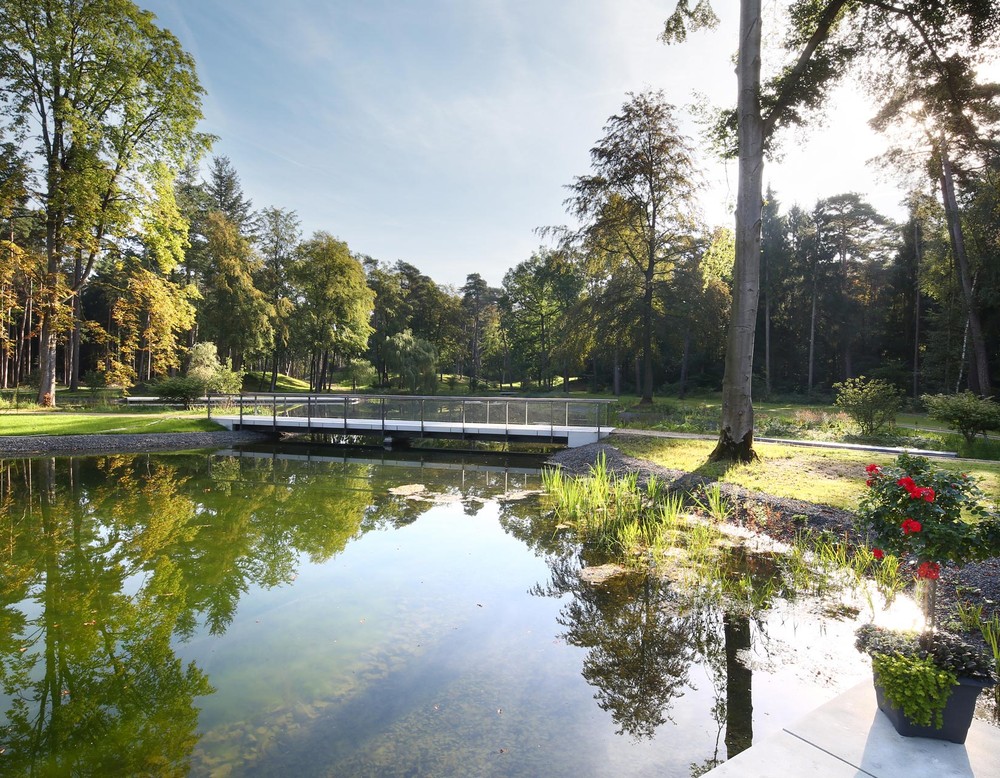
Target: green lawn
(825, 476)
(64, 423)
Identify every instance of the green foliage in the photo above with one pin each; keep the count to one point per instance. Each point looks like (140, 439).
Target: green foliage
(95, 96)
(991, 636)
(95, 380)
(611, 511)
(714, 503)
(360, 372)
(334, 302)
(918, 671)
(871, 403)
(414, 361)
(917, 510)
(234, 313)
(966, 413)
(182, 389)
(204, 366)
(917, 686)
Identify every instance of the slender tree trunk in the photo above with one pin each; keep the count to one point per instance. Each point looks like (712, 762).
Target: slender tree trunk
(916, 310)
(685, 356)
(961, 362)
(736, 433)
(647, 339)
(767, 342)
(616, 374)
(274, 371)
(23, 343)
(47, 359)
(980, 368)
(74, 349)
(812, 336)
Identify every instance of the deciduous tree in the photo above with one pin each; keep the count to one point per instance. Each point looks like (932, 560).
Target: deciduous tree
(94, 92)
(825, 38)
(639, 204)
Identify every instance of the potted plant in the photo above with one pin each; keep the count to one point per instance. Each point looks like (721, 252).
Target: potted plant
(926, 683)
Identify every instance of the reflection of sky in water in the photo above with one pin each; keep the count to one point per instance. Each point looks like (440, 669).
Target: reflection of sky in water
(454, 638)
(425, 638)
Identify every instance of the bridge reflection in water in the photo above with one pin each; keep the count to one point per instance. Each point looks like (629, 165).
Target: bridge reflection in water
(570, 422)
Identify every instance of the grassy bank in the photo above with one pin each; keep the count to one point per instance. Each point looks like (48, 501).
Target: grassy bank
(62, 423)
(833, 477)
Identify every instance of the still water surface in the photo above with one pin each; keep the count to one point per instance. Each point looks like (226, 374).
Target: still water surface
(266, 613)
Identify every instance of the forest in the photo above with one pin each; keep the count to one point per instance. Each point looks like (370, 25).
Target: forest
(126, 243)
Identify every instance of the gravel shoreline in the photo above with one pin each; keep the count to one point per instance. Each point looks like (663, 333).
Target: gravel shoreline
(976, 584)
(63, 445)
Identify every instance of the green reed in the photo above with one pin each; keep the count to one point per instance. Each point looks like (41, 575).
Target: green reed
(647, 522)
(970, 616)
(714, 503)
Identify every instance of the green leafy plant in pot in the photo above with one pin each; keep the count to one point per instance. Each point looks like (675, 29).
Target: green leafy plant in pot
(926, 683)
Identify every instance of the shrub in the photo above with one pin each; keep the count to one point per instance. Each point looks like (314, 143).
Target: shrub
(918, 510)
(95, 380)
(204, 366)
(182, 389)
(871, 403)
(965, 413)
(360, 372)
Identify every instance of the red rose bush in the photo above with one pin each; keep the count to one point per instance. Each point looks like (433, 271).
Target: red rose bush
(927, 516)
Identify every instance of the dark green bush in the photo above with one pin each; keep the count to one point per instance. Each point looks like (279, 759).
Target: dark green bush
(965, 413)
(871, 403)
(182, 389)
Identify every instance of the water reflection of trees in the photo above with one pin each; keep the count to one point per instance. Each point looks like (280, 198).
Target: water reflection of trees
(642, 635)
(639, 654)
(105, 561)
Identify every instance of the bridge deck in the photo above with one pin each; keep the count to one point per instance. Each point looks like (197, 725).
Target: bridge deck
(566, 421)
(571, 436)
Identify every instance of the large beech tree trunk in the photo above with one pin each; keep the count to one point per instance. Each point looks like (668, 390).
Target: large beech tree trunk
(736, 433)
(979, 372)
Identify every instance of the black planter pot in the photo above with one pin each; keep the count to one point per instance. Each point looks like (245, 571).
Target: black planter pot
(958, 712)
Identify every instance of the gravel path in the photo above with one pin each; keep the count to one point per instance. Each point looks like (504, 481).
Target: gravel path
(62, 445)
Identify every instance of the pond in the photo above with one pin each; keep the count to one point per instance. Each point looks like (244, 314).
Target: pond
(358, 613)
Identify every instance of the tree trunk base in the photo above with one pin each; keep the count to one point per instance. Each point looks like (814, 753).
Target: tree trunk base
(729, 450)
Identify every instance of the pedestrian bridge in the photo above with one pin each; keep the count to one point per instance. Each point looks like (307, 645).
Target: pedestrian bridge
(569, 422)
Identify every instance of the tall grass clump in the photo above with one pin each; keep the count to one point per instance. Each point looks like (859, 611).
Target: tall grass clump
(991, 634)
(611, 511)
(713, 503)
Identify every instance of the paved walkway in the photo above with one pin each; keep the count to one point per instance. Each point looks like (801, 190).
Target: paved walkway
(849, 738)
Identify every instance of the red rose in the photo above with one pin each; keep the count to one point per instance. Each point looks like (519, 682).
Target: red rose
(878, 553)
(930, 570)
(873, 469)
(910, 526)
(927, 493)
(907, 483)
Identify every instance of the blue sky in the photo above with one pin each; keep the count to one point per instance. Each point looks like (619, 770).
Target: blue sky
(443, 132)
